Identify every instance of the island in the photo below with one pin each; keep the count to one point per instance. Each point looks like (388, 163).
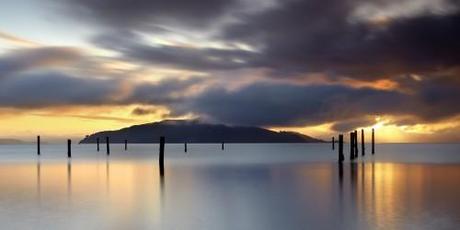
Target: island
(192, 131)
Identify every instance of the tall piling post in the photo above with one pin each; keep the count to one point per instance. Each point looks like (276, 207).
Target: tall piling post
(69, 149)
(38, 146)
(185, 146)
(356, 143)
(97, 143)
(373, 142)
(363, 152)
(126, 145)
(107, 144)
(223, 145)
(333, 143)
(341, 156)
(352, 148)
(161, 158)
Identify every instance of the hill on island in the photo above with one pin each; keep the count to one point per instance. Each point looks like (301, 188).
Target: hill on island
(180, 131)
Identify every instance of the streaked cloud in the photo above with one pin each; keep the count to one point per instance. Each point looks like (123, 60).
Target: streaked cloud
(149, 14)
(20, 60)
(17, 40)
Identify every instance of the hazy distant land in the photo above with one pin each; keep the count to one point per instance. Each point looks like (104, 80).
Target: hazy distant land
(180, 131)
(11, 142)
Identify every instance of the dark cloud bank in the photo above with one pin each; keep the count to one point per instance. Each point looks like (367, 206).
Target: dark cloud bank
(285, 105)
(294, 38)
(141, 14)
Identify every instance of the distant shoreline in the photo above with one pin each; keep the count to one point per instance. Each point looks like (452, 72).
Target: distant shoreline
(12, 142)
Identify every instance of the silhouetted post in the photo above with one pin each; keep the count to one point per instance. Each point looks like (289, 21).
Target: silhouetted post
(69, 150)
(341, 157)
(107, 143)
(38, 145)
(333, 143)
(185, 146)
(373, 142)
(356, 143)
(126, 145)
(97, 140)
(162, 153)
(362, 143)
(352, 148)
(223, 147)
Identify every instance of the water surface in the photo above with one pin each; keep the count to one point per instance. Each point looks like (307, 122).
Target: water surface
(246, 186)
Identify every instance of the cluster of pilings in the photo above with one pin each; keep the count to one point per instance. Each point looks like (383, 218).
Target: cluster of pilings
(69, 146)
(354, 145)
(107, 141)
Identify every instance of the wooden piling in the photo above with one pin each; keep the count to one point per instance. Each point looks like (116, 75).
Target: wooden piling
(373, 142)
(126, 145)
(38, 146)
(333, 143)
(341, 156)
(185, 146)
(363, 152)
(97, 140)
(352, 148)
(223, 147)
(161, 158)
(69, 149)
(356, 143)
(107, 143)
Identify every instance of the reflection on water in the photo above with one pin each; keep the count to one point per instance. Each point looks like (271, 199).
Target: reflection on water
(121, 194)
(402, 196)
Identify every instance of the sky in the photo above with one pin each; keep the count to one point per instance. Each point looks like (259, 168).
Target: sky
(319, 67)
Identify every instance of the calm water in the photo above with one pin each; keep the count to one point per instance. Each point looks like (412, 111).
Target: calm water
(247, 186)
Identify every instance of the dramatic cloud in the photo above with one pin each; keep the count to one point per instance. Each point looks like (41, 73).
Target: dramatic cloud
(298, 37)
(54, 89)
(347, 125)
(191, 58)
(140, 111)
(167, 92)
(279, 105)
(35, 78)
(51, 89)
(132, 47)
(36, 58)
(294, 105)
(146, 14)
(380, 10)
(317, 36)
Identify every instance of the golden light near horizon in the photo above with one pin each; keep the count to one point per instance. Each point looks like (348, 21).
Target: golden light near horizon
(73, 122)
(386, 131)
(76, 122)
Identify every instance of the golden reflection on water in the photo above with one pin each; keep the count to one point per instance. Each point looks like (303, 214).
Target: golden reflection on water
(391, 195)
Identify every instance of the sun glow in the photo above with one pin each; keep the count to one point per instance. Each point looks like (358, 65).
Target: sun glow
(387, 130)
